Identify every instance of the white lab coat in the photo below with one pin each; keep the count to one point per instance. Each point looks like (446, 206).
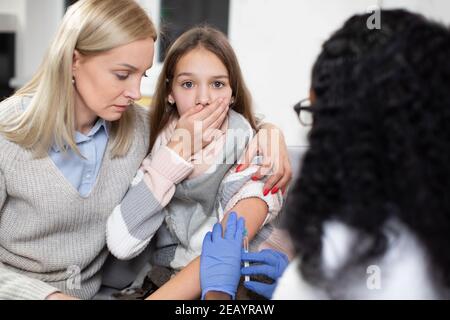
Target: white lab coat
(403, 272)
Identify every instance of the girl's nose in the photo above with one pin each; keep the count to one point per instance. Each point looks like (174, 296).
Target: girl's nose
(203, 97)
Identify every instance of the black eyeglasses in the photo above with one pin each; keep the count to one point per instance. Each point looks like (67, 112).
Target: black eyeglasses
(304, 112)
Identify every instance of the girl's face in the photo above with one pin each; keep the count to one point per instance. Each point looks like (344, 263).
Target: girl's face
(105, 83)
(200, 78)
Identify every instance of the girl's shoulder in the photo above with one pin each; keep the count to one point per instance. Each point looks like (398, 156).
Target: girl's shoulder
(239, 129)
(237, 121)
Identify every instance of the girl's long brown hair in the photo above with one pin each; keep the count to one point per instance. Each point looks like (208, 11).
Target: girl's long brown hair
(212, 40)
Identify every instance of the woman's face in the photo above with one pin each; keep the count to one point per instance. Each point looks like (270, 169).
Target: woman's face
(107, 82)
(200, 78)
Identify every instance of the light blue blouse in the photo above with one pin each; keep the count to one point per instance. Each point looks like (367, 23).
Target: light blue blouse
(82, 173)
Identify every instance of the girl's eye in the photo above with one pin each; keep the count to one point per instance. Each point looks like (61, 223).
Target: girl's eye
(218, 84)
(122, 76)
(187, 84)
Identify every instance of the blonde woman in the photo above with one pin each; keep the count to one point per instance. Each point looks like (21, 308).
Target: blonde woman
(71, 141)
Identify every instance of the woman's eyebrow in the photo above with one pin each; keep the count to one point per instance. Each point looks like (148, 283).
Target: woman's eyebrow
(126, 65)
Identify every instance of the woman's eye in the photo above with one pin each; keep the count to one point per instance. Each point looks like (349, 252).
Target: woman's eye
(218, 84)
(122, 76)
(187, 84)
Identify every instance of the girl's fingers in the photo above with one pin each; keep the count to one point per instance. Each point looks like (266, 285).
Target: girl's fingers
(211, 133)
(212, 112)
(219, 121)
(193, 110)
(200, 112)
(215, 110)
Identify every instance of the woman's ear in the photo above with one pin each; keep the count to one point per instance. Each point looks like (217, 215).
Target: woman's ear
(76, 60)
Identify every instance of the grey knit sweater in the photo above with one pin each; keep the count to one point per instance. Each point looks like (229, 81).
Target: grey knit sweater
(50, 237)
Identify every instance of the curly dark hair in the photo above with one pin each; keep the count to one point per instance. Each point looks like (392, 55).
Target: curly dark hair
(380, 141)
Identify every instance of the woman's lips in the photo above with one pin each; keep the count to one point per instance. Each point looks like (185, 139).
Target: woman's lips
(121, 108)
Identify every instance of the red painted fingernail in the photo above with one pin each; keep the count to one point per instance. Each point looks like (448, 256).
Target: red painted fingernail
(254, 178)
(266, 191)
(275, 190)
(239, 168)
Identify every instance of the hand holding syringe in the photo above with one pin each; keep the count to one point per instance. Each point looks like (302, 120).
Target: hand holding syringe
(267, 262)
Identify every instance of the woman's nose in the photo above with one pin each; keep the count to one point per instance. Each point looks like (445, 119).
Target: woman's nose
(134, 91)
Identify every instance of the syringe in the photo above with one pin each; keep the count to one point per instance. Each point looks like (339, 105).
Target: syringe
(246, 263)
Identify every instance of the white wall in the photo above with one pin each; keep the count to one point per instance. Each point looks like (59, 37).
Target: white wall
(37, 24)
(149, 84)
(38, 35)
(435, 9)
(277, 42)
(16, 8)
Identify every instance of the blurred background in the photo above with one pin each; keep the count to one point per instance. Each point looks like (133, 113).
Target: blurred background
(276, 41)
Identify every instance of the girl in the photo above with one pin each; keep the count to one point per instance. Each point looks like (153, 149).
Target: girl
(179, 193)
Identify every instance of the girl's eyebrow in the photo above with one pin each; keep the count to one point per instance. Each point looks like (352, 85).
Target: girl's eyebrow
(185, 74)
(189, 74)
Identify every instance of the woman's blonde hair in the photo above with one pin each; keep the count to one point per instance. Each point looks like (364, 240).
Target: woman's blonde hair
(216, 42)
(90, 27)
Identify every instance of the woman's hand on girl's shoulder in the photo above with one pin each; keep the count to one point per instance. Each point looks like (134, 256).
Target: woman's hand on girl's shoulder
(269, 142)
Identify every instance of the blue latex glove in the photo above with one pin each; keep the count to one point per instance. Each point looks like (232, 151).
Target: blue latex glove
(220, 261)
(271, 263)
